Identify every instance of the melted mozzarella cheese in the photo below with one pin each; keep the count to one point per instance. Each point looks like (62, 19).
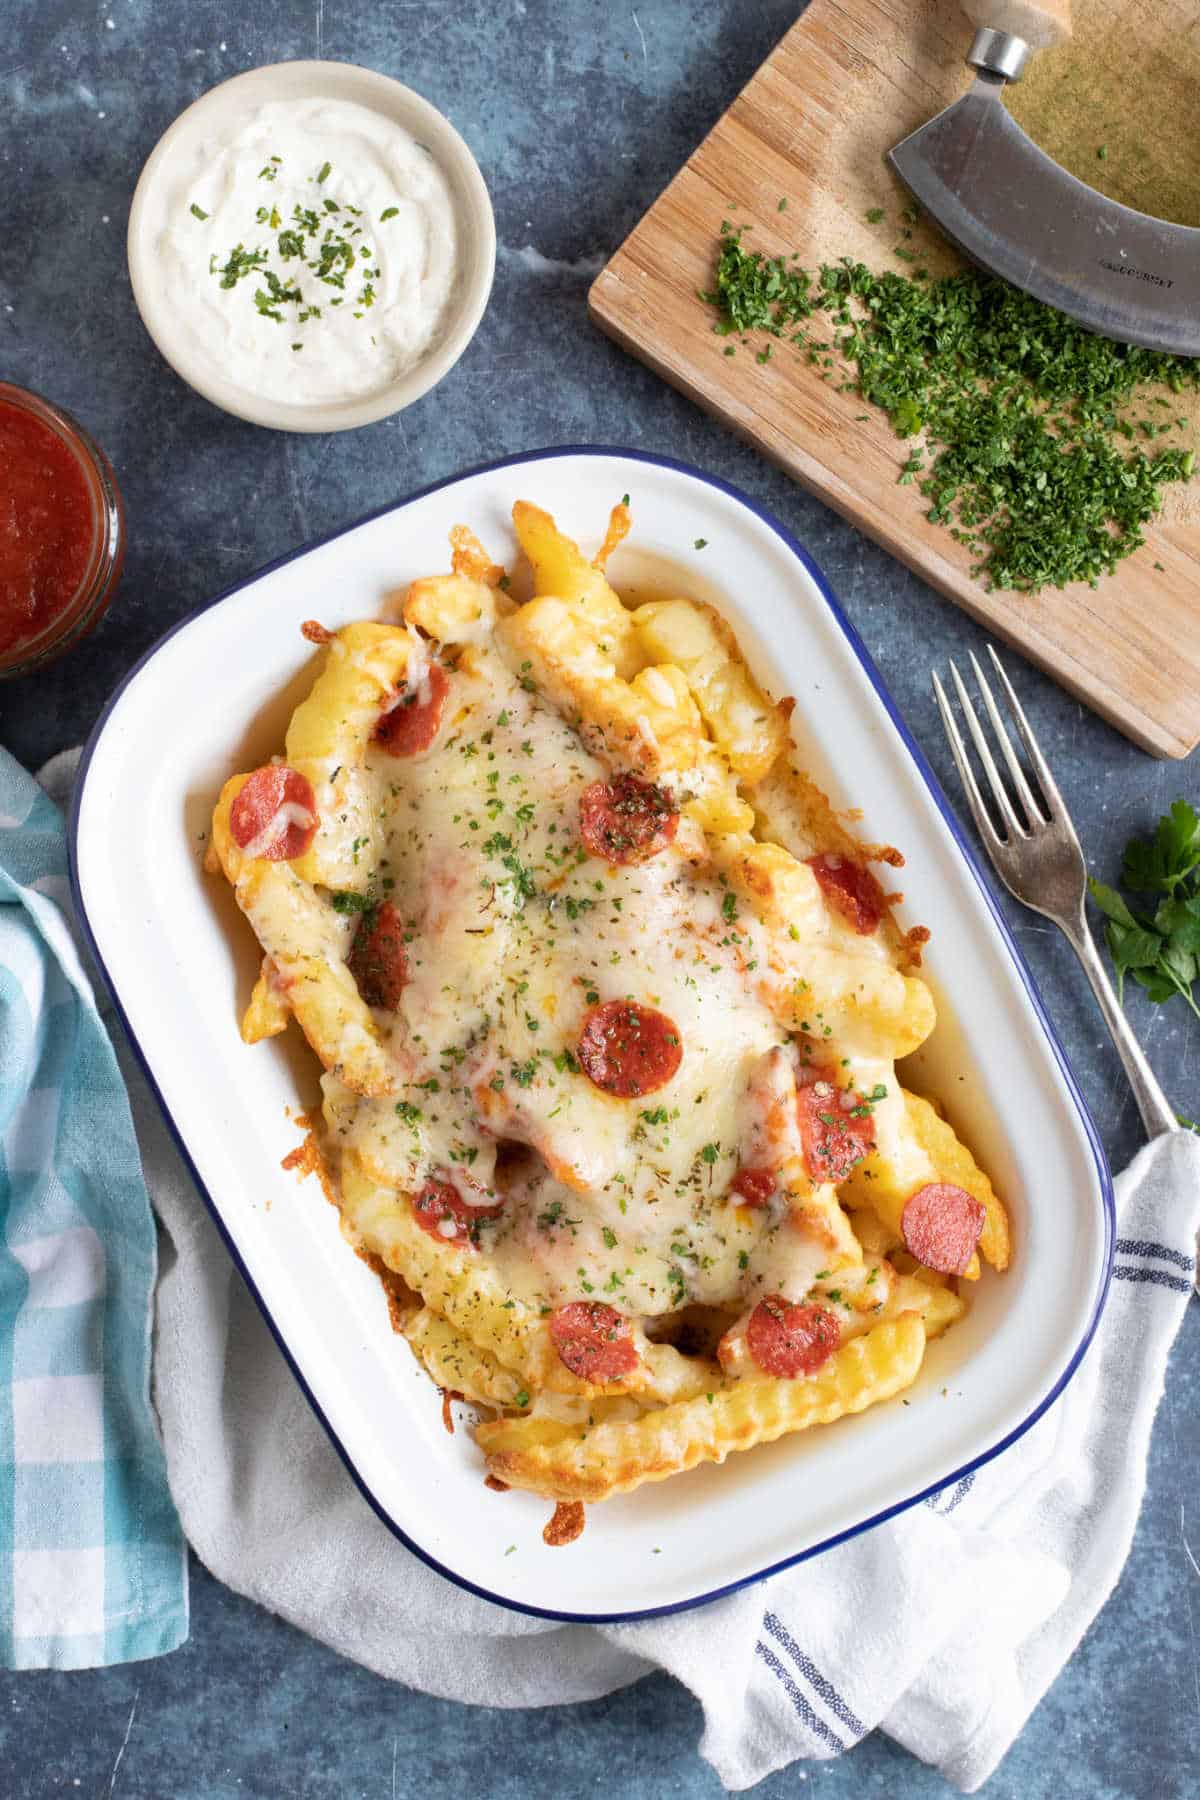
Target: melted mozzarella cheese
(512, 933)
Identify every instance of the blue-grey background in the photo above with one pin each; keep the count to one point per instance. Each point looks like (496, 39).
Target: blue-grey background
(579, 113)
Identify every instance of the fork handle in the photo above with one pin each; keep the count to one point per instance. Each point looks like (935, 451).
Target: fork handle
(1158, 1115)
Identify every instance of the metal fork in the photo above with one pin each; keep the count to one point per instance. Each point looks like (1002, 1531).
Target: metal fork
(1039, 859)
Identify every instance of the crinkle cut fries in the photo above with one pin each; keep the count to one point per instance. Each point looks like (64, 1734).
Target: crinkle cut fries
(608, 1000)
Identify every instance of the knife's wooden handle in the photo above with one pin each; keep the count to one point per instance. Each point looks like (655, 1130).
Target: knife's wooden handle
(1042, 23)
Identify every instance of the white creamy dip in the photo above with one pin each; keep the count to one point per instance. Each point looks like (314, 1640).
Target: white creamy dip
(310, 253)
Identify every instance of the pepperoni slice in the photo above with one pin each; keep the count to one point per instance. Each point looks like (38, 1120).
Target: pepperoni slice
(593, 1341)
(626, 820)
(275, 814)
(627, 1049)
(378, 960)
(440, 1210)
(836, 1127)
(754, 1187)
(787, 1340)
(851, 888)
(410, 723)
(941, 1225)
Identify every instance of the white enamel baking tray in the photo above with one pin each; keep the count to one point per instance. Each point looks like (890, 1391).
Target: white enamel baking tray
(214, 697)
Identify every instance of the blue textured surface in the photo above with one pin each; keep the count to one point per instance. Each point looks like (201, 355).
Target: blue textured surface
(579, 114)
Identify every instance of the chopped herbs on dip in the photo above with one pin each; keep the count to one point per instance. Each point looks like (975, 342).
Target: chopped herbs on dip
(333, 172)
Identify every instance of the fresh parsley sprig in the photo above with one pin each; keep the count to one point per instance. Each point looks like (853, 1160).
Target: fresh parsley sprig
(1159, 948)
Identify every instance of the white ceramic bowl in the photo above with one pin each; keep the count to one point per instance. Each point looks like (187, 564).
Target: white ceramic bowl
(227, 105)
(181, 961)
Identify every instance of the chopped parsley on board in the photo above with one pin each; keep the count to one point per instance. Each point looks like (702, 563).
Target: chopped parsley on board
(1032, 427)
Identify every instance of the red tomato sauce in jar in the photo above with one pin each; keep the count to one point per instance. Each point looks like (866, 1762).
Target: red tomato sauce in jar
(47, 526)
(62, 531)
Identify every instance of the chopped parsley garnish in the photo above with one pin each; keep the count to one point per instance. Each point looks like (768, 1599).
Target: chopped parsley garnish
(729, 908)
(709, 1154)
(239, 263)
(408, 1112)
(276, 294)
(335, 258)
(389, 212)
(522, 878)
(197, 212)
(1031, 461)
(555, 1216)
(309, 239)
(343, 901)
(610, 1238)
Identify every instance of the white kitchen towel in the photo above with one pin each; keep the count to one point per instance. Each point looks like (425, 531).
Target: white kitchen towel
(945, 1627)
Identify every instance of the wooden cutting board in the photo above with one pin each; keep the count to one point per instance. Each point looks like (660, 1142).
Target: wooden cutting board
(849, 80)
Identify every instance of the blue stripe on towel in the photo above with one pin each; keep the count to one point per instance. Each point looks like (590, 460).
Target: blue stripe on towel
(805, 1711)
(814, 1677)
(1142, 1247)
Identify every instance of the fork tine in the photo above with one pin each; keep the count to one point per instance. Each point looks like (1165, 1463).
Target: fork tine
(1033, 811)
(1054, 801)
(999, 791)
(958, 750)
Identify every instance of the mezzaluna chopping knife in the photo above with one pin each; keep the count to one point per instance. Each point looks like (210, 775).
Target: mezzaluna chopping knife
(1010, 208)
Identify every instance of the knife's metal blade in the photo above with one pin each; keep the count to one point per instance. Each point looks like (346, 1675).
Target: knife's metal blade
(1009, 207)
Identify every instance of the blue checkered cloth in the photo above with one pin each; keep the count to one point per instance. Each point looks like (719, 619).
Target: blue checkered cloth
(92, 1561)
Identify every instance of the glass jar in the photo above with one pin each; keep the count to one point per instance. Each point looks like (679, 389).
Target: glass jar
(62, 531)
